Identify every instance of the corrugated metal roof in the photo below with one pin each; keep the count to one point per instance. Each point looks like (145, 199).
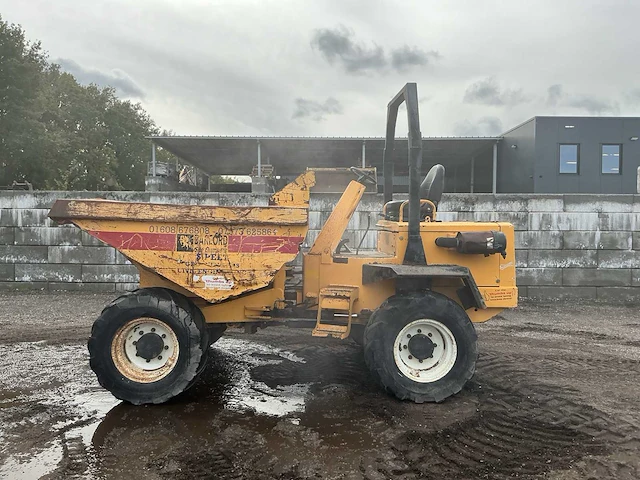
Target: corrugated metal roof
(228, 155)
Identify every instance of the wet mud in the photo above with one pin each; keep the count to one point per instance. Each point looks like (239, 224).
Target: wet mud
(555, 395)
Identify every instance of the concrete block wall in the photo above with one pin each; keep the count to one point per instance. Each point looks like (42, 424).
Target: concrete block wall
(567, 246)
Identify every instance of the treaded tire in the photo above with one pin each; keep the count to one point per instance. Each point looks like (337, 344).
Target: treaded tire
(389, 320)
(179, 315)
(357, 333)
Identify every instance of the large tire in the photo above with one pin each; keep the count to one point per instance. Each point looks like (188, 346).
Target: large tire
(421, 346)
(148, 346)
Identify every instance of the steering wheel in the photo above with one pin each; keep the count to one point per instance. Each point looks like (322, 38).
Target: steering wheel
(364, 177)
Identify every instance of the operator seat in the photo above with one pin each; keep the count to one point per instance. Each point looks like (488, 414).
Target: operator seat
(431, 189)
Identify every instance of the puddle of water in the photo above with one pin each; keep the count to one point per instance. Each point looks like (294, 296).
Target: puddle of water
(244, 393)
(32, 466)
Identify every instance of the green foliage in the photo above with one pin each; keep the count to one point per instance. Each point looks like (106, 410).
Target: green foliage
(58, 134)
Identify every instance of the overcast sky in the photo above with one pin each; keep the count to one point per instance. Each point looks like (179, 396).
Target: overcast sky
(294, 67)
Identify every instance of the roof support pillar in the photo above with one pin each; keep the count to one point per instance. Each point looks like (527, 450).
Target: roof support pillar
(153, 158)
(473, 174)
(364, 154)
(494, 189)
(259, 160)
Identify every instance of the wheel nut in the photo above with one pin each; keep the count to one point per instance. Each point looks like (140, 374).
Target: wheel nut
(430, 334)
(435, 345)
(159, 357)
(410, 357)
(141, 332)
(166, 347)
(420, 361)
(135, 342)
(164, 335)
(419, 330)
(408, 335)
(404, 346)
(153, 329)
(148, 361)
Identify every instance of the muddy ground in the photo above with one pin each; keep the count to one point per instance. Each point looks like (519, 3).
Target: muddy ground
(556, 395)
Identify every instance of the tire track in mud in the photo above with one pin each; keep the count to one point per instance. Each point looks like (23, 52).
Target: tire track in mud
(522, 428)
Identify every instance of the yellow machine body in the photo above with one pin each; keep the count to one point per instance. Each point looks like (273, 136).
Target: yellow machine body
(232, 260)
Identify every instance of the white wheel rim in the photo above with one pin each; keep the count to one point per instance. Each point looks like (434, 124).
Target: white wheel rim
(432, 337)
(135, 342)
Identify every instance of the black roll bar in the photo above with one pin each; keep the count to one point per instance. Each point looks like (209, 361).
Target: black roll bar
(409, 95)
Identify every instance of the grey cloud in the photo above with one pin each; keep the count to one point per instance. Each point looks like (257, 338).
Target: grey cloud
(337, 45)
(404, 57)
(556, 96)
(316, 111)
(483, 127)
(489, 92)
(115, 78)
(593, 104)
(632, 97)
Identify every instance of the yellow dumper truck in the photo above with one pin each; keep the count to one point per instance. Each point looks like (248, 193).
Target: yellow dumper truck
(411, 303)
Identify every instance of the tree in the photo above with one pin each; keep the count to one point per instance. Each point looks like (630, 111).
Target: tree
(58, 134)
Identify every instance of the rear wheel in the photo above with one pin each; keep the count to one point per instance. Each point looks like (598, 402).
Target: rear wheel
(148, 346)
(421, 346)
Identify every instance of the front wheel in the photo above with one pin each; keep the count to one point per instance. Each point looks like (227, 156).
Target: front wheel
(421, 346)
(148, 346)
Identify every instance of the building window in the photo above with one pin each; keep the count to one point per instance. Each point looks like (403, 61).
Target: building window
(569, 158)
(611, 159)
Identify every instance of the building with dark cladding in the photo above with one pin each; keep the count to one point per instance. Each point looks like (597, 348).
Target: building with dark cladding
(542, 155)
(570, 155)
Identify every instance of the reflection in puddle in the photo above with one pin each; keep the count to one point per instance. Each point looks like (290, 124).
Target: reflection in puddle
(74, 415)
(247, 394)
(32, 466)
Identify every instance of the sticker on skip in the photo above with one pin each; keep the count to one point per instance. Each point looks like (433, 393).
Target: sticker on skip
(216, 282)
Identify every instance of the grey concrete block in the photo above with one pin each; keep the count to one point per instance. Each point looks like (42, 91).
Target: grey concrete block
(636, 203)
(618, 259)
(618, 221)
(31, 217)
(23, 254)
(448, 216)
(597, 240)
(242, 199)
(24, 286)
(563, 221)
(596, 277)
(90, 255)
(48, 273)
(520, 220)
(597, 203)
(619, 295)
(82, 287)
(120, 258)
(522, 258)
(47, 236)
(7, 235)
(89, 240)
(545, 203)
(562, 258)
(562, 293)
(126, 287)
(539, 240)
(538, 276)
(467, 202)
(110, 273)
(7, 272)
(635, 277)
